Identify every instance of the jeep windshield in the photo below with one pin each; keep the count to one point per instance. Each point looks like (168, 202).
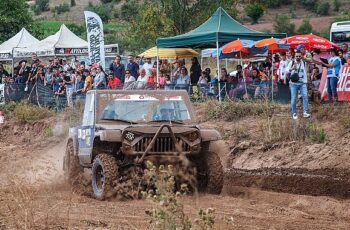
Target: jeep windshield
(143, 108)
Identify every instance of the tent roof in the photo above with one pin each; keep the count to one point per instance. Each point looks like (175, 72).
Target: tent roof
(64, 38)
(170, 53)
(22, 39)
(220, 26)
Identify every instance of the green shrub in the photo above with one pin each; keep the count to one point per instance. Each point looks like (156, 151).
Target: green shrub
(128, 10)
(72, 3)
(323, 8)
(103, 10)
(336, 5)
(282, 24)
(62, 8)
(40, 6)
(275, 3)
(28, 113)
(305, 27)
(310, 4)
(254, 11)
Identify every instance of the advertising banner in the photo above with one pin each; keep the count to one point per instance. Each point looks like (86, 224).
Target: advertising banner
(95, 37)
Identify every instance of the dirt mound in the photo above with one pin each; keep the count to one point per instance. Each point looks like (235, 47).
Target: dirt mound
(325, 182)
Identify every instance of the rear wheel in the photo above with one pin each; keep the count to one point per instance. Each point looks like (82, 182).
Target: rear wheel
(104, 173)
(72, 167)
(210, 173)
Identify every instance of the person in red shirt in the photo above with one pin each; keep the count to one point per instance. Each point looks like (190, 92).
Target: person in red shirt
(113, 82)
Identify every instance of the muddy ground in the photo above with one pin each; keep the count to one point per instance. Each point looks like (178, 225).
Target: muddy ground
(288, 186)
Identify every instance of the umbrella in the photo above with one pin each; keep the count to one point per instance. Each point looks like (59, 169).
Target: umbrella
(170, 53)
(310, 42)
(238, 46)
(272, 45)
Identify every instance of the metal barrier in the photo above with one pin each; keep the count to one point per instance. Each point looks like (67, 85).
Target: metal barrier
(44, 95)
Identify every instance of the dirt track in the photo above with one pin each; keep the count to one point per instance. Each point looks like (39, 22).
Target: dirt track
(263, 189)
(53, 205)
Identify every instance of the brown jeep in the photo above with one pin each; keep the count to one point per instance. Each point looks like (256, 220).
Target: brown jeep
(121, 130)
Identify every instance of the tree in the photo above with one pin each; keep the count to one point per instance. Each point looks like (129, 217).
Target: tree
(337, 5)
(149, 24)
(254, 11)
(282, 24)
(14, 15)
(323, 8)
(305, 27)
(102, 10)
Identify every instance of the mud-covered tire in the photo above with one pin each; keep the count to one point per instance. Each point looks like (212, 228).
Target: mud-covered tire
(210, 173)
(104, 173)
(72, 168)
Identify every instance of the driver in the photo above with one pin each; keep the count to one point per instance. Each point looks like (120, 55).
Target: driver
(167, 114)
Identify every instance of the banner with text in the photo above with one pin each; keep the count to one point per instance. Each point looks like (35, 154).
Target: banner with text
(95, 38)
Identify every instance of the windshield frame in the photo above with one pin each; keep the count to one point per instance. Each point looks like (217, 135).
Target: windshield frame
(101, 103)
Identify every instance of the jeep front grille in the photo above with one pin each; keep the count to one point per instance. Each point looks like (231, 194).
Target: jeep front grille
(162, 144)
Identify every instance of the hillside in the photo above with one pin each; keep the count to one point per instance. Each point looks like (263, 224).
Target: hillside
(296, 11)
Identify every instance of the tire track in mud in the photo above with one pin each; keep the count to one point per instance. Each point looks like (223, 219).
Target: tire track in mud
(320, 182)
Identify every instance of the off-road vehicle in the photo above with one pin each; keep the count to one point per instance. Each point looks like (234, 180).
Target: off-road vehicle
(121, 130)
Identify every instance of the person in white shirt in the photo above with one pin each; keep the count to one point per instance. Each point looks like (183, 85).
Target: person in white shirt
(298, 82)
(142, 79)
(148, 66)
(129, 80)
(282, 69)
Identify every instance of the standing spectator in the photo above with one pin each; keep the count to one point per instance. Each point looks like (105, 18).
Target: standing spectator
(316, 58)
(345, 49)
(148, 66)
(65, 64)
(133, 67)
(48, 76)
(208, 71)
(298, 82)
(333, 68)
(60, 94)
(3, 74)
(40, 76)
(69, 79)
(195, 71)
(282, 69)
(165, 67)
(113, 81)
(118, 68)
(341, 56)
(100, 78)
(23, 72)
(176, 70)
(315, 78)
(56, 63)
(32, 72)
(78, 87)
(152, 78)
(88, 81)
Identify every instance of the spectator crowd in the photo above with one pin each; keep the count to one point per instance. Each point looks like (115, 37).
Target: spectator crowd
(286, 73)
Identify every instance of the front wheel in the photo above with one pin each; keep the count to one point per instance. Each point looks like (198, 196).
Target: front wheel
(210, 173)
(104, 173)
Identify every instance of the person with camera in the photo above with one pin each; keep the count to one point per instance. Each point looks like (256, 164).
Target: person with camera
(298, 83)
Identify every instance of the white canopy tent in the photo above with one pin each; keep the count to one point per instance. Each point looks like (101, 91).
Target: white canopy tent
(22, 39)
(64, 38)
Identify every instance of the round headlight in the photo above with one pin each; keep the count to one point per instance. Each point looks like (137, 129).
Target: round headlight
(193, 136)
(129, 136)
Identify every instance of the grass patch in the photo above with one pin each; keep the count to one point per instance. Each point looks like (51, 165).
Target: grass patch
(284, 130)
(29, 113)
(233, 110)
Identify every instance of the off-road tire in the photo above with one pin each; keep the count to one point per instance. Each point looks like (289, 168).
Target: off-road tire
(105, 164)
(72, 167)
(210, 173)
